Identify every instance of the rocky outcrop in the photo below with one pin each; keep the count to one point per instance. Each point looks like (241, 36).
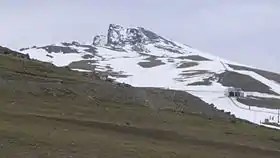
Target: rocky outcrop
(99, 40)
(135, 38)
(57, 49)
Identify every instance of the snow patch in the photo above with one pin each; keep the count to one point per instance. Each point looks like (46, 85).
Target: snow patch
(58, 59)
(81, 70)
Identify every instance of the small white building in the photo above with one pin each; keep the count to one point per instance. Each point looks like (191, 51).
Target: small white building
(234, 92)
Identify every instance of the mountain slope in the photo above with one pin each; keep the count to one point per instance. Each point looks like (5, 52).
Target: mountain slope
(7, 51)
(141, 58)
(49, 111)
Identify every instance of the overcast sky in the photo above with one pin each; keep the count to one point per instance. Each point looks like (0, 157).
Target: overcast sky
(246, 31)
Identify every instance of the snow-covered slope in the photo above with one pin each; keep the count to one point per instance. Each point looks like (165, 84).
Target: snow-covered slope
(142, 58)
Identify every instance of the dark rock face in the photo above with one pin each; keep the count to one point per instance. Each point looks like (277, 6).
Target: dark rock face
(156, 38)
(187, 64)
(4, 50)
(83, 64)
(269, 75)
(74, 43)
(196, 72)
(66, 48)
(88, 56)
(247, 83)
(115, 36)
(205, 82)
(152, 36)
(135, 36)
(119, 37)
(99, 40)
(91, 50)
(151, 62)
(138, 48)
(96, 40)
(23, 49)
(57, 49)
(194, 57)
(261, 102)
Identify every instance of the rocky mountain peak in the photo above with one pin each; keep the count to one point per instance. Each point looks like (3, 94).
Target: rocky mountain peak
(135, 38)
(119, 36)
(115, 35)
(99, 40)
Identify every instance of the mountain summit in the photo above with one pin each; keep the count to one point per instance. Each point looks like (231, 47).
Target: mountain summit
(119, 36)
(142, 58)
(134, 39)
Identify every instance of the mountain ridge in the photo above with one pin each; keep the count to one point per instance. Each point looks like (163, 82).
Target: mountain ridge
(142, 58)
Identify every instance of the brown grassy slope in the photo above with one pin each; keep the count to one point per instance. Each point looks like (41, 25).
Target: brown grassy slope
(54, 112)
